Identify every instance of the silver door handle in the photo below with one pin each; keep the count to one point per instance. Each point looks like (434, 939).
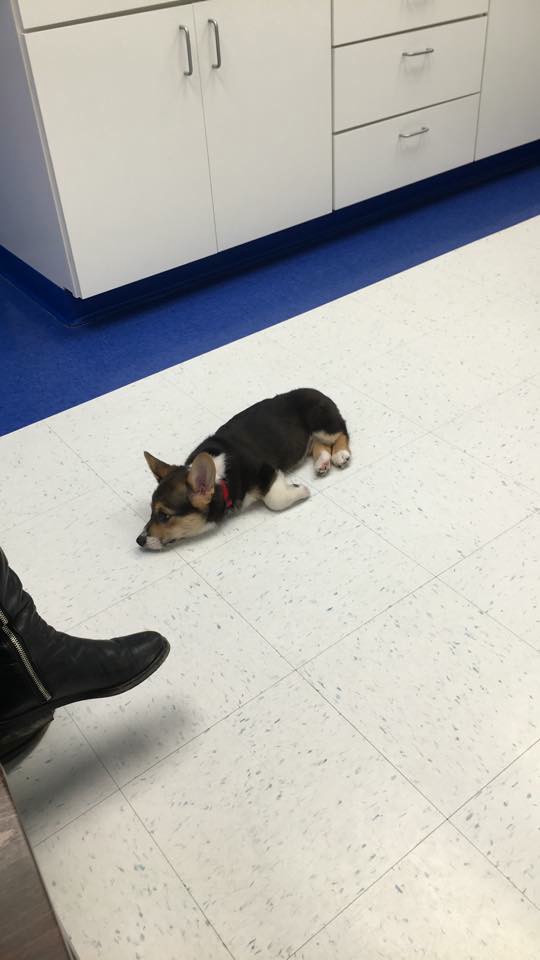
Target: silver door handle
(418, 53)
(416, 133)
(189, 71)
(217, 64)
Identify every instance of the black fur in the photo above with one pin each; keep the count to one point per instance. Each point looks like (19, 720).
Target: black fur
(272, 435)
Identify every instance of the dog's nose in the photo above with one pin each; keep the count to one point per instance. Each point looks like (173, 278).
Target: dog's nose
(141, 539)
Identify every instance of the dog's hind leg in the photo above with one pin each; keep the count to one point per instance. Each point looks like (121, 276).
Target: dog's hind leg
(322, 457)
(328, 430)
(282, 494)
(341, 452)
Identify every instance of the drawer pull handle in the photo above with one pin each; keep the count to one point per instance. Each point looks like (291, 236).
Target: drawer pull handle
(189, 71)
(217, 64)
(418, 53)
(416, 133)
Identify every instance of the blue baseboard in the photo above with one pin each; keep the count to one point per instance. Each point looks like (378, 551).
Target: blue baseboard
(71, 311)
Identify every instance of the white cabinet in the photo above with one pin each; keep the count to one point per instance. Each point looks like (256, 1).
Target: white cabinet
(510, 101)
(125, 131)
(364, 19)
(396, 74)
(44, 13)
(268, 113)
(383, 156)
(160, 154)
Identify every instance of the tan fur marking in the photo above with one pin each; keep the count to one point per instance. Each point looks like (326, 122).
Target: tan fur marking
(341, 443)
(341, 452)
(158, 467)
(319, 448)
(327, 438)
(178, 527)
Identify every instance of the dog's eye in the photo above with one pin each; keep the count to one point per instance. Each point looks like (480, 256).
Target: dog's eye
(162, 517)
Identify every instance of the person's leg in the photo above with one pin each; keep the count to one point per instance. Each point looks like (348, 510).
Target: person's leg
(41, 668)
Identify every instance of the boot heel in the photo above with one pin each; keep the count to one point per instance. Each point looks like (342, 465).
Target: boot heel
(18, 733)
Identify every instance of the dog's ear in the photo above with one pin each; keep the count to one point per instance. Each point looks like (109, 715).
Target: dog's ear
(158, 468)
(202, 478)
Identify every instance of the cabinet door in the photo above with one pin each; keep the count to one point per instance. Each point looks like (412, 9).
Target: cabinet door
(268, 113)
(509, 103)
(125, 130)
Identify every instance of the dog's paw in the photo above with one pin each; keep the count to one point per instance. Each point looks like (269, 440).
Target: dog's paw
(341, 458)
(302, 492)
(323, 464)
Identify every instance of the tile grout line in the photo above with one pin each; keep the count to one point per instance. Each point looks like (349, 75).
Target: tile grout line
(502, 533)
(447, 820)
(520, 382)
(69, 823)
(202, 733)
(119, 787)
(496, 776)
(79, 624)
(364, 623)
(423, 840)
(240, 615)
(366, 889)
(495, 867)
(414, 560)
(180, 879)
(373, 746)
(484, 463)
(485, 613)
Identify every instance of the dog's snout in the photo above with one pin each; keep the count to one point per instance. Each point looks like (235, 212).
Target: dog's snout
(141, 539)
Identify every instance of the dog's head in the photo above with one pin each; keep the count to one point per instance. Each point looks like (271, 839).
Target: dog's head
(181, 501)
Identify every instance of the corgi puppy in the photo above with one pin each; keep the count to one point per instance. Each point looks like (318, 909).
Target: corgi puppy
(245, 460)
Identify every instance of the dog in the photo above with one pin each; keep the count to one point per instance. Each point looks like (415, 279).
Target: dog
(244, 461)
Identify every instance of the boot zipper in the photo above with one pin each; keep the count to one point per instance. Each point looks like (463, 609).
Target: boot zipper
(4, 625)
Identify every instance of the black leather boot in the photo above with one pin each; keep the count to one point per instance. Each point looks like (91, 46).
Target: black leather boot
(41, 669)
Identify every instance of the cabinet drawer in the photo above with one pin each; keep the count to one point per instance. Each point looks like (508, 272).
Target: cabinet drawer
(383, 156)
(363, 19)
(43, 13)
(374, 80)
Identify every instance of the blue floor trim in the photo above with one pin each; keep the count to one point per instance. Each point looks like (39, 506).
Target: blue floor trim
(48, 367)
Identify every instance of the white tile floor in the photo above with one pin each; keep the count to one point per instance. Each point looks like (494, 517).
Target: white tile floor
(340, 759)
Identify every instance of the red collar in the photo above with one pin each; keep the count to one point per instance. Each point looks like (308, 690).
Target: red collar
(226, 495)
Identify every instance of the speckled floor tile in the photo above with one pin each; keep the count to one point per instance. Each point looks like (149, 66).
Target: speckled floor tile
(505, 434)
(241, 373)
(428, 389)
(39, 472)
(528, 231)
(117, 896)
(502, 262)
(309, 576)
(431, 290)
(216, 663)
(500, 340)
(362, 330)
(113, 431)
(278, 817)
(81, 557)
(443, 902)
(58, 781)
(503, 821)
(281, 813)
(434, 502)
(448, 695)
(503, 578)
